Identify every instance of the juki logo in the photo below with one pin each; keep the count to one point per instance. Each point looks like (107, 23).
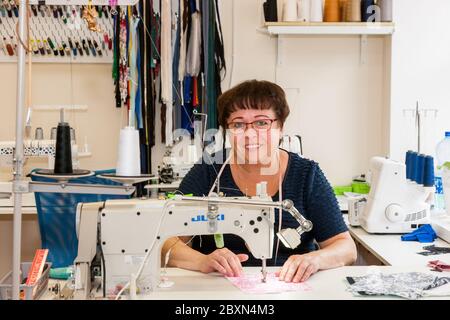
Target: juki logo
(203, 218)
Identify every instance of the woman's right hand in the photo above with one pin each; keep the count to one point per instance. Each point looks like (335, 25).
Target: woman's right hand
(223, 261)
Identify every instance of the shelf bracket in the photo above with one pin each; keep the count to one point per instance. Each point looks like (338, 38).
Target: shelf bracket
(363, 48)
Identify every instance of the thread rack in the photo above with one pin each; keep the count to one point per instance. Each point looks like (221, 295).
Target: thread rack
(58, 34)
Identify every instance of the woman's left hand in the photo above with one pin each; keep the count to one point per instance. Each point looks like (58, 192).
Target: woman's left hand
(299, 267)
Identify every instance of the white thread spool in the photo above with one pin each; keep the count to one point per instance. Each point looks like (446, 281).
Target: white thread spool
(304, 10)
(316, 11)
(192, 153)
(290, 10)
(128, 155)
(386, 10)
(285, 143)
(295, 145)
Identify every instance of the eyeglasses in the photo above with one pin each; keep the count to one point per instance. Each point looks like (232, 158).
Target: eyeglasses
(259, 125)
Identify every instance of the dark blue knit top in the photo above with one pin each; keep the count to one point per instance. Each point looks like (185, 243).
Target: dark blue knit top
(304, 183)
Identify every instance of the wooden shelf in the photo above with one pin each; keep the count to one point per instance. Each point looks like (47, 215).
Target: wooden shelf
(328, 28)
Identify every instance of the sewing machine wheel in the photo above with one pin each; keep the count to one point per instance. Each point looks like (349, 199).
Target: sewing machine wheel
(395, 213)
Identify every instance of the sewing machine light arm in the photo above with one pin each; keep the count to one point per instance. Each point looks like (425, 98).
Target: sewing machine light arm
(305, 225)
(291, 239)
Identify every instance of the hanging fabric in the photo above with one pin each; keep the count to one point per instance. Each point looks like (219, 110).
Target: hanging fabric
(134, 77)
(193, 59)
(183, 37)
(166, 63)
(176, 34)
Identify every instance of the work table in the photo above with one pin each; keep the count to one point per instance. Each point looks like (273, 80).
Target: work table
(324, 285)
(390, 250)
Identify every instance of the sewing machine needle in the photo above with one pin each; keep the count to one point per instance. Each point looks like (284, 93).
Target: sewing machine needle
(264, 270)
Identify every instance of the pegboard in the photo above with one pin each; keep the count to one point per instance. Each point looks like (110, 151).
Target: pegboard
(58, 34)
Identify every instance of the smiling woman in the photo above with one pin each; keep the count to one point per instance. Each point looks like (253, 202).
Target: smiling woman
(253, 114)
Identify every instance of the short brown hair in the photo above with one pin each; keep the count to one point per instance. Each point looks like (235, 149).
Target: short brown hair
(253, 94)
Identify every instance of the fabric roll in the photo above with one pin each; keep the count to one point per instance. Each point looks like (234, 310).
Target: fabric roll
(332, 11)
(367, 10)
(304, 10)
(386, 10)
(354, 10)
(290, 10)
(316, 14)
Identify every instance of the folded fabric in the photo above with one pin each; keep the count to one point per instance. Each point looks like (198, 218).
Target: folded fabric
(433, 250)
(409, 285)
(438, 265)
(424, 234)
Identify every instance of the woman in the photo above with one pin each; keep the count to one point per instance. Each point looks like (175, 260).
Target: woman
(253, 114)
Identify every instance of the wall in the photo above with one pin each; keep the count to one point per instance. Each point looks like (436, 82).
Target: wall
(54, 84)
(420, 72)
(338, 105)
(327, 87)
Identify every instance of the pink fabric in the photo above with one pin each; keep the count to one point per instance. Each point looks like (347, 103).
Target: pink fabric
(251, 283)
(439, 265)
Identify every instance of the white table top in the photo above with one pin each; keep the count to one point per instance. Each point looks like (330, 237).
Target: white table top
(391, 250)
(189, 285)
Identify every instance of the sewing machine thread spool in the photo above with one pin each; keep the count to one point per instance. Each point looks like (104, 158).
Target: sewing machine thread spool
(420, 168)
(128, 158)
(428, 179)
(290, 10)
(63, 153)
(367, 9)
(386, 10)
(408, 162)
(316, 11)
(304, 10)
(53, 134)
(39, 134)
(413, 167)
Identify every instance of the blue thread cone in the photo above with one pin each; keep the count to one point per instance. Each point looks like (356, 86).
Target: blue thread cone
(428, 179)
(420, 168)
(413, 166)
(408, 162)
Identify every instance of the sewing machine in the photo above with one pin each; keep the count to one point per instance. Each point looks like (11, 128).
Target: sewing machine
(178, 160)
(394, 204)
(131, 233)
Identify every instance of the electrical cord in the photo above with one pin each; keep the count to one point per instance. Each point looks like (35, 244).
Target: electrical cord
(141, 267)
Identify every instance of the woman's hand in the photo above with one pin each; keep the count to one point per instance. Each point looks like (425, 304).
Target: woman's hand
(223, 261)
(298, 268)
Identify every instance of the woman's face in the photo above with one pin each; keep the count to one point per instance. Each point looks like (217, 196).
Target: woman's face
(254, 135)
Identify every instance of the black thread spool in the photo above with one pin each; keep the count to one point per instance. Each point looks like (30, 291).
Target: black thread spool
(63, 154)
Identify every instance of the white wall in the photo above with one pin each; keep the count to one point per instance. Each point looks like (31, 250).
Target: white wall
(54, 84)
(420, 72)
(340, 126)
(338, 105)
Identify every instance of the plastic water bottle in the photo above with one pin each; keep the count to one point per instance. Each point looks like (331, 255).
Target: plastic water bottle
(442, 156)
